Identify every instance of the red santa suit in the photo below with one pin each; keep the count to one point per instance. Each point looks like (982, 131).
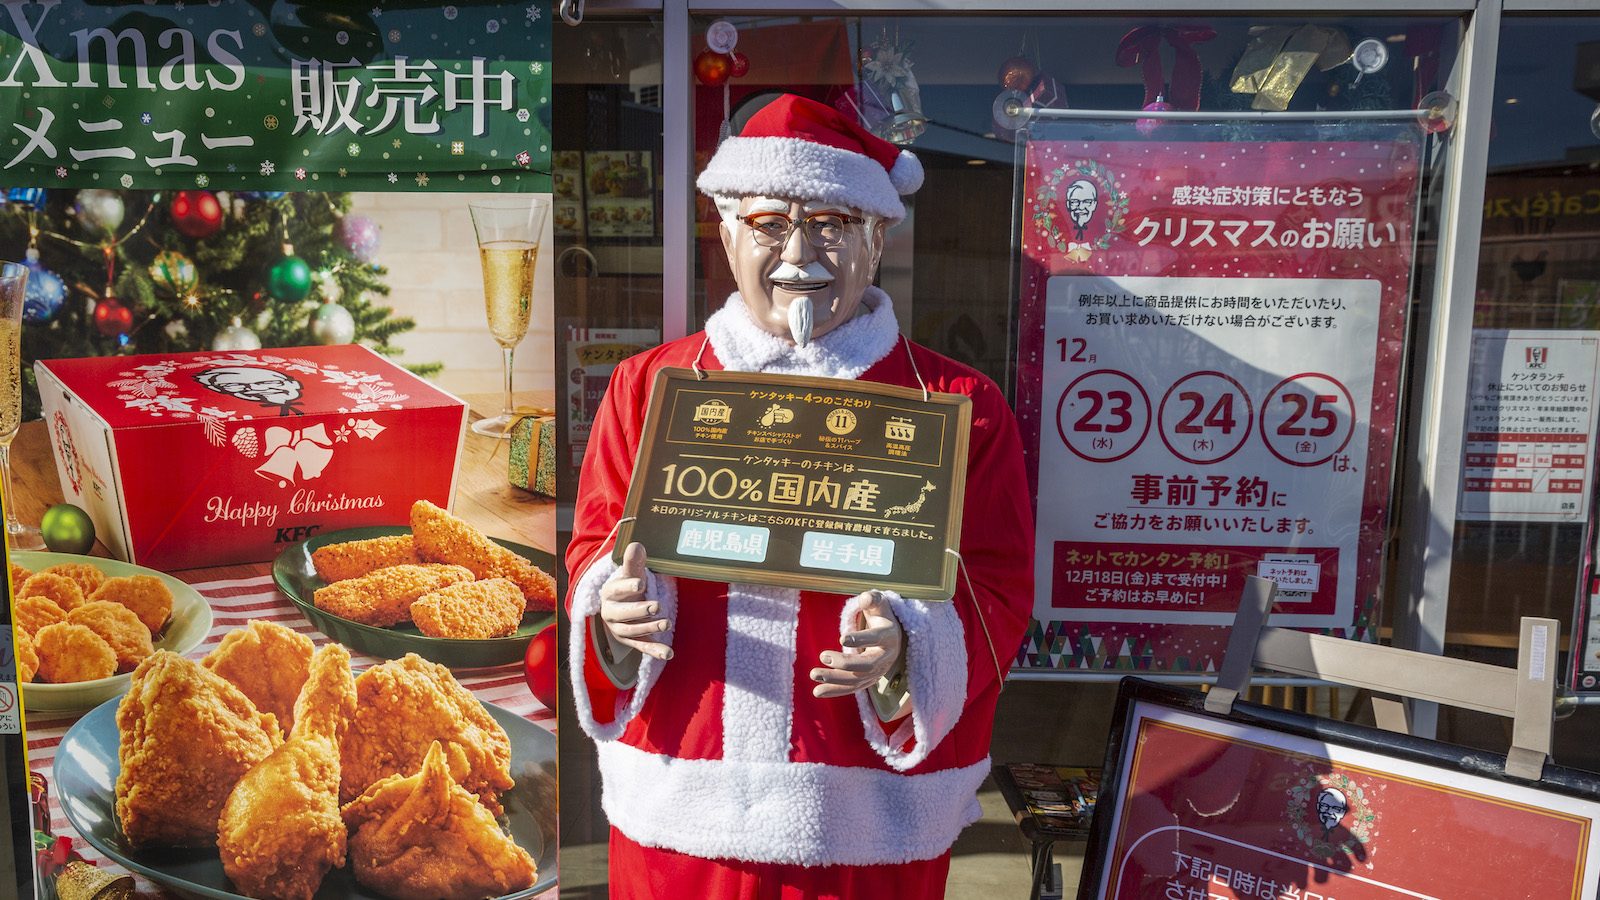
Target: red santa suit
(723, 775)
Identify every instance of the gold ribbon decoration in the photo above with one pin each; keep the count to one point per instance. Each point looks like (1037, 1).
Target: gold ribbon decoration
(517, 415)
(1279, 57)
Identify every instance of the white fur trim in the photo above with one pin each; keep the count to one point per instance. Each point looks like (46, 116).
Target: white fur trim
(586, 603)
(844, 352)
(806, 814)
(906, 176)
(758, 695)
(799, 169)
(936, 667)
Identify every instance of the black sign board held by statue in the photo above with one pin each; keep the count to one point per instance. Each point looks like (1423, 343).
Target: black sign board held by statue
(814, 483)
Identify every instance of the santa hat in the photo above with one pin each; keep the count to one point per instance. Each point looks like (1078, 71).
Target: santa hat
(802, 149)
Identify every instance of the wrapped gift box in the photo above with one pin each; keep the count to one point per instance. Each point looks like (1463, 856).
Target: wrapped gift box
(533, 453)
(202, 459)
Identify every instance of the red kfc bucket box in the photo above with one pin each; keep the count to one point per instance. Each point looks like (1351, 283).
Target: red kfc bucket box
(201, 459)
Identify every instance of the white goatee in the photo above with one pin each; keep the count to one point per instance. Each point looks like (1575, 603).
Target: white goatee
(800, 320)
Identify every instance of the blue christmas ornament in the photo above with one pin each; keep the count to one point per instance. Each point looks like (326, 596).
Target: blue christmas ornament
(45, 293)
(26, 198)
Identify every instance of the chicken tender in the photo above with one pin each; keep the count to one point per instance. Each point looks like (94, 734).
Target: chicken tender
(187, 737)
(70, 653)
(406, 704)
(281, 831)
(267, 662)
(385, 596)
(119, 628)
(27, 658)
(88, 577)
(58, 589)
(353, 559)
(18, 576)
(33, 613)
(422, 837)
(148, 597)
(441, 537)
(474, 609)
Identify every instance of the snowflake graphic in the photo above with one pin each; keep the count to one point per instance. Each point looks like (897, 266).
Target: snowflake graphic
(202, 180)
(533, 14)
(267, 168)
(300, 174)
(450, 13)
(492, 26)
(536, 67)
(458, 147)
(393, 178)
(144, 118)
(524, 158)
(342, 37)
(342, 172)
(127, 181)
(422, 179)
(522, 115)
(397, 143)
(61, 171)
(258, 29)
(354, 149)
(394, 35)
(178, 6)
(232, 167)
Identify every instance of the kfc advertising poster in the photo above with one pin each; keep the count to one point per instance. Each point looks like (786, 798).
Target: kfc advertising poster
(1211, 345)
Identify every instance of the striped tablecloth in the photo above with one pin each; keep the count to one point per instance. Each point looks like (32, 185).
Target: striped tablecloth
(233, 604)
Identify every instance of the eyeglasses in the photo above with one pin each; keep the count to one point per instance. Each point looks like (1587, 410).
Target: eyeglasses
(824, 230)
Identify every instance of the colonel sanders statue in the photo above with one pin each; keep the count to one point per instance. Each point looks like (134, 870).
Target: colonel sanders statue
(749, 737)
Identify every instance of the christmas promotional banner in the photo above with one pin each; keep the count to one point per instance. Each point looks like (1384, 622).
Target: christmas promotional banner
(1210, 351)
(231, 95)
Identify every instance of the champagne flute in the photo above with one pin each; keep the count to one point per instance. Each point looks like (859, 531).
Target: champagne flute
(508, 230)
(13, 286)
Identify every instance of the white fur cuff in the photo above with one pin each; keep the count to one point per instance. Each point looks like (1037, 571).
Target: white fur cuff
(586, 603)
(936, 672)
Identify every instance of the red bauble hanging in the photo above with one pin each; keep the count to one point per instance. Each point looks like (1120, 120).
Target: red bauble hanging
(111, 318)
(196, 213)
(740, 67)
(713, 68)
(1017, 73)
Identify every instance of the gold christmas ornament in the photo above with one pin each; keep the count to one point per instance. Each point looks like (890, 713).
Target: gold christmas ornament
(82, 881)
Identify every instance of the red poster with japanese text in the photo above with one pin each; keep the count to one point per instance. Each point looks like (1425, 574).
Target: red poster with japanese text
(1209, 361)
(1207, 809)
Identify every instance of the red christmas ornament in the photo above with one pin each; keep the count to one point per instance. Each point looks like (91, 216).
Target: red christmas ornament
(196, 213)
(1017, 73)
(539, 667)
(112, 318)
(741, 65)
(713, 68)
(1147, 126)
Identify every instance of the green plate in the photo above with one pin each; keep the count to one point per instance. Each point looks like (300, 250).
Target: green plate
(85, 775)
(295, 576)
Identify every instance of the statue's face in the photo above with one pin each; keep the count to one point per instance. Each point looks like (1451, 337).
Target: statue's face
(823, 266)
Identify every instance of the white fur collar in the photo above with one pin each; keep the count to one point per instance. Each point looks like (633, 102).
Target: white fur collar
(845, 352)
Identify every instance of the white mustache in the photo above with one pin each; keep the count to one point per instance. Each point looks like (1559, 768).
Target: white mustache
(812, 271)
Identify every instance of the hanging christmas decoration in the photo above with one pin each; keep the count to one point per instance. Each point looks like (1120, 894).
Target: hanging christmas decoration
(1279, 57)
(888, 86)
(333, 324)
(173, 273)
(196, 213)
(1142, 47)
(67, 529)
(1017, 73)
(26, 198)
(289, 279)
(111, 318)
(1148, 126)
(99, 210)
(741, 65)
(360, 237)
(46, 290)
(236, 337)
(713, 68)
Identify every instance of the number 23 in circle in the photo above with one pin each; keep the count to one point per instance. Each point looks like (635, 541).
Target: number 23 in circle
(1103, 415)
(1307, 419)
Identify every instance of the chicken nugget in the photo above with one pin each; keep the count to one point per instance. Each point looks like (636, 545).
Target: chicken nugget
(119, 627)
(88, 577)
(34, 613)
(27, 658)
(353, 559)
(267, 662)
(441, 537)
(58, 589)
(385, 596)
(70, 653)
(18, 576)
(148, 597)
(473, 609)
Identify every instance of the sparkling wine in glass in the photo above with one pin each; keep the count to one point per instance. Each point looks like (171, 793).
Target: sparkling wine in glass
(13, 285)
(508, 230)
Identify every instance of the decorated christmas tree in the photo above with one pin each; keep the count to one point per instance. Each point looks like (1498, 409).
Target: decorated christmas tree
(126, 272)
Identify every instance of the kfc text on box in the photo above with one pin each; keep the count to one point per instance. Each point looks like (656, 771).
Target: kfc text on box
(203, 459)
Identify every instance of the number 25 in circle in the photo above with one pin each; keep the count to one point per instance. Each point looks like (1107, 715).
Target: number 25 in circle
(1103, 415)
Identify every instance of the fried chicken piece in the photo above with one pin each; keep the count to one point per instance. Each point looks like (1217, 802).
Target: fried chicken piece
(423, 836)
(441, 537)
(404, 705)
(187, 737)
(353, 559)
(119, 628)
(384, 597)
(70, 653)
(33, 613)
(148, 597)
(18, 576)
(58, 589)
(474, 609)
(268, 663)
(27, 658)
(89, 577)
(281, 831)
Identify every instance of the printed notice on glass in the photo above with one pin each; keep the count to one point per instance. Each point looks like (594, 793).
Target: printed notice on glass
(812, 483)
(1530, 431)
